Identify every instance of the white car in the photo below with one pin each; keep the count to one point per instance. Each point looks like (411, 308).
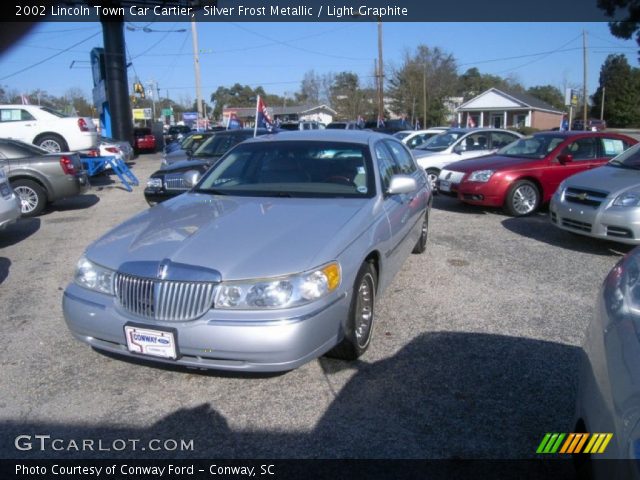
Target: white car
(460, 144)
(415, 138)
(47, 128)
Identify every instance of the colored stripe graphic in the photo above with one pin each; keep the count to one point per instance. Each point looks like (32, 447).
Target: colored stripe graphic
(571, 443)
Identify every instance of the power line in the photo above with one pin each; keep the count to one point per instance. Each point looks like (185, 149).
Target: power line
(49, 58)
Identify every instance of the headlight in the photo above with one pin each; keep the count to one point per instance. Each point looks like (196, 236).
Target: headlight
(481, 175)
(560, 190)
(281, 292)
(629, 199)
(154, 183)
(94, 277)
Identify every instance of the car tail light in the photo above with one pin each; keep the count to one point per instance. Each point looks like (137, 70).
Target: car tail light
(112, 150)
(67, 165)
(82, 124)
(93, 153)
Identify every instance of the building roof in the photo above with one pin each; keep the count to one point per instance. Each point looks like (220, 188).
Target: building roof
(517, 99)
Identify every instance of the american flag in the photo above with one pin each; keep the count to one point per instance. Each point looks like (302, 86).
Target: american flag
(263, 119)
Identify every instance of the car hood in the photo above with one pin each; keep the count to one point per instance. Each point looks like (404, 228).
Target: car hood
(614, 180)
(491, 162)
(239, 237)
(183, 165)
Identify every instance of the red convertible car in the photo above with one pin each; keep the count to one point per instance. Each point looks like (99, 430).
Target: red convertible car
(523, 175)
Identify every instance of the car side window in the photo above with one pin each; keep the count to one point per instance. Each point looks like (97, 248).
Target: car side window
(502, 139)
(15, 115)
(401, 157)
(416, 141)
(582, 149)
(386, 166)
(611, 147)
(475, 141)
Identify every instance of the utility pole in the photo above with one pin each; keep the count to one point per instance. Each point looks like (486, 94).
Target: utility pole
(196, 66)
(584, 87)
(602, 104)
(380, 72)
(424, 96)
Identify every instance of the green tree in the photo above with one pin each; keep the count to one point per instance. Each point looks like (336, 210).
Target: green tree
(429, 72)
(629, 24)
(348, 98)
(621, 84)
(548, 93)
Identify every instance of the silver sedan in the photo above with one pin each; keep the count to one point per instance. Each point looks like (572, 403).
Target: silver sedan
(276, 257)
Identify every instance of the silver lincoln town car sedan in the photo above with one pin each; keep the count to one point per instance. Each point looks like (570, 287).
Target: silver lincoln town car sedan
(274, 258)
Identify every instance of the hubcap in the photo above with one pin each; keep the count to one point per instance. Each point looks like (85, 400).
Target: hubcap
(432, 177)
(51, 145)
(525, 198)
(364, 310)
(28, 198)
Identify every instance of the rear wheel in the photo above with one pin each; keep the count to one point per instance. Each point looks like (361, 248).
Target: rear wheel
(522, 199)
(33, 197)
(53, 143)
(359, 328)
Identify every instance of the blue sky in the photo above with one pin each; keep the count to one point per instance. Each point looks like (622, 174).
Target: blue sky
(276, 55)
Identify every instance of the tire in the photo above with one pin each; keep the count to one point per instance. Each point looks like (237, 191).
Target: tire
(432, 176)
(522, 199)
(421, 246)
(359, 328)
(33, 198)
(52, 142)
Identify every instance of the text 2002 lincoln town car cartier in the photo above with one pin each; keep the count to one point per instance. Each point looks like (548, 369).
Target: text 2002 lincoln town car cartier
(274, 258)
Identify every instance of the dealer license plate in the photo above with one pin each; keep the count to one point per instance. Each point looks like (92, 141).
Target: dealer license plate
(444, 186)
(157, 343)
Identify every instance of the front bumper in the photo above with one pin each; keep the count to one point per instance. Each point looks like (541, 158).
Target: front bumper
(266, 341)
(9, 210)
(619, 224)
(479, 193)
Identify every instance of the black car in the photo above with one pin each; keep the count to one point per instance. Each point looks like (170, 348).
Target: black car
(389, 126)
(178, 177)
(175, 133)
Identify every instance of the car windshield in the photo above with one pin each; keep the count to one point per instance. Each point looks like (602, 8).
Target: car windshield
(440, 142)
(218, 145)
(628, 159)
(293, 169)
(538, 146)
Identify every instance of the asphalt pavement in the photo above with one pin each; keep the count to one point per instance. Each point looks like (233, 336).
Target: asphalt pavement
(474, 354)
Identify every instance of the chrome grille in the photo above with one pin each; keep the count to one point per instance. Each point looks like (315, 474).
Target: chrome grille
(162, 299)
(175, 181)
(451, 176)
(584, 196)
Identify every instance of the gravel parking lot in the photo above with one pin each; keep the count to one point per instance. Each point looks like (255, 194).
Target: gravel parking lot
(476, 340)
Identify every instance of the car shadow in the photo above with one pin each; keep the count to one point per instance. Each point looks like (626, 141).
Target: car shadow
(445, 395)
(539, 227)
(79, 202)
(5, 265)
(452, 204)
(23, 228)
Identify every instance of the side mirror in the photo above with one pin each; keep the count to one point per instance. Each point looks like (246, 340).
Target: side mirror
(457, 149)
(191, 178)
(402, 184)
(565, 158)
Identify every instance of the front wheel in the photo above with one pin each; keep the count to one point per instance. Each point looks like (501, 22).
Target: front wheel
(432, 177)
(359, 327)
(421, 246)
(522, 199)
